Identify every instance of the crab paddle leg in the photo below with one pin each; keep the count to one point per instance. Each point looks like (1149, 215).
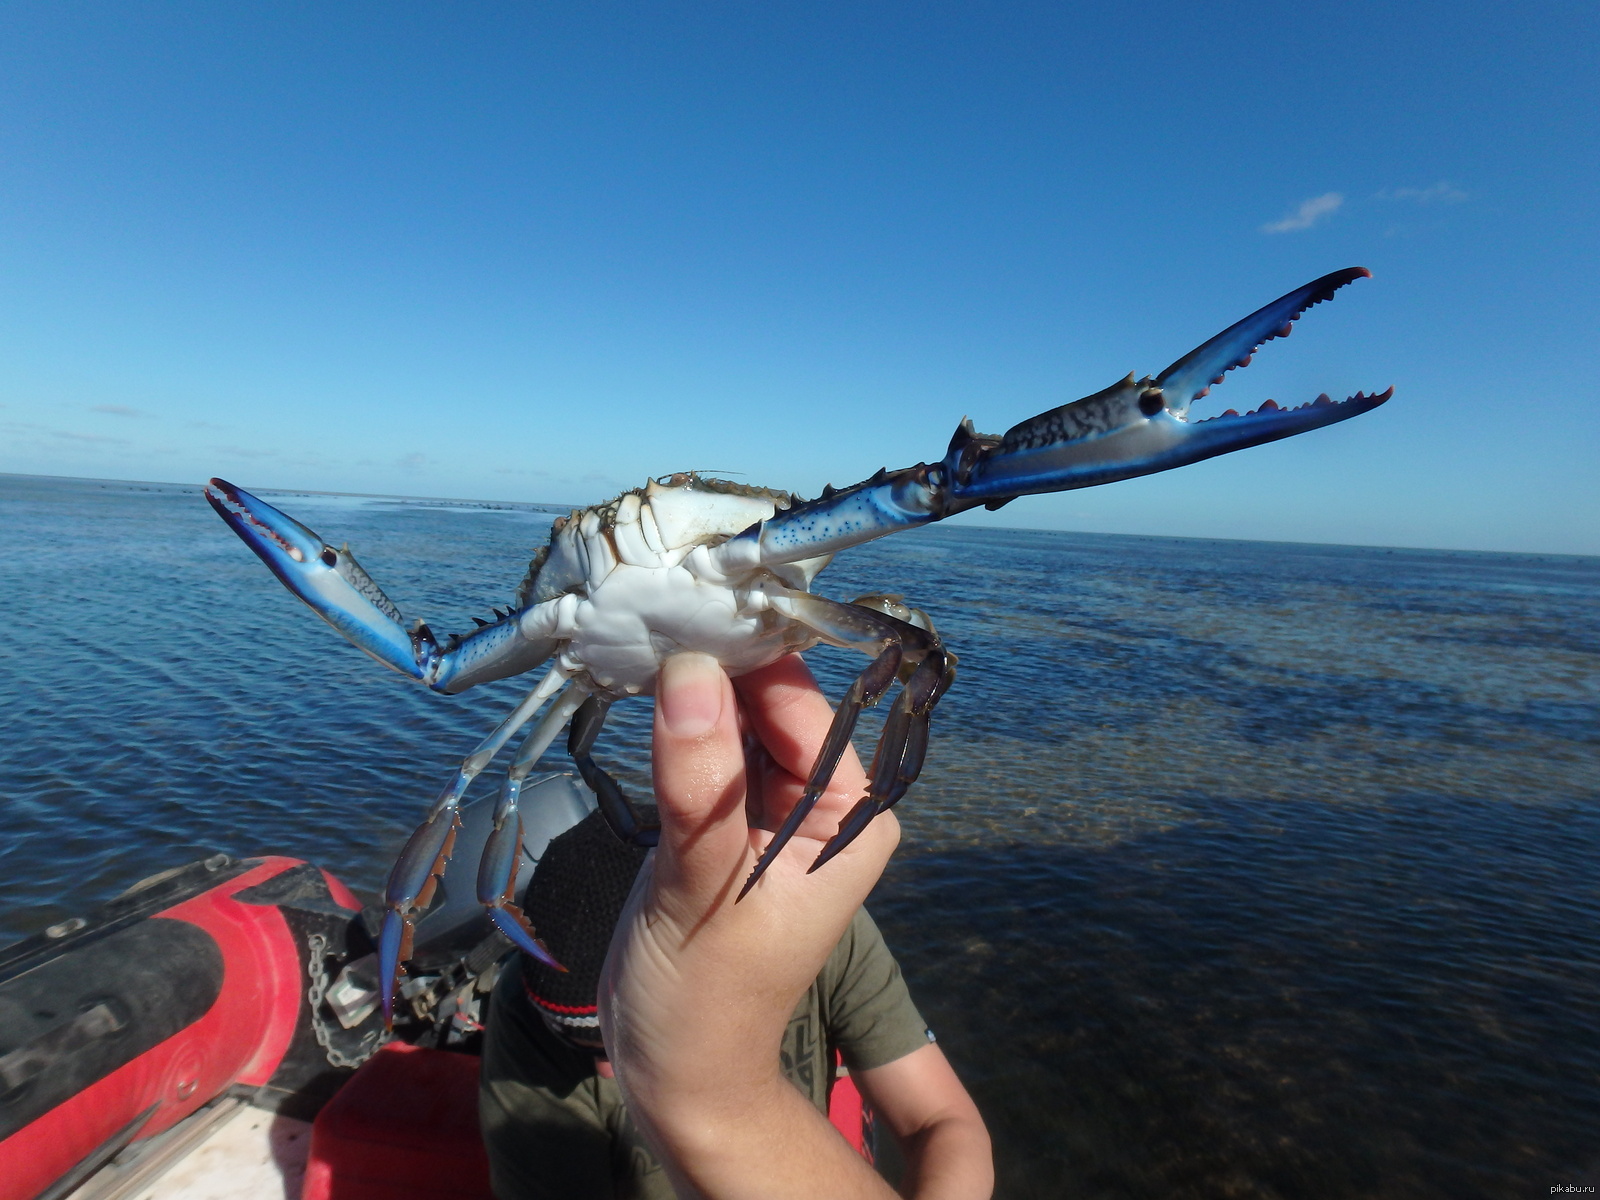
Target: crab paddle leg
(416, 872)
(497, 870)
(856, 628)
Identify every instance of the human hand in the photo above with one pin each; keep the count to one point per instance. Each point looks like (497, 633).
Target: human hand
(698, 989)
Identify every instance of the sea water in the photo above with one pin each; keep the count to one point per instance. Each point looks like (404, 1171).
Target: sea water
(1237, 869)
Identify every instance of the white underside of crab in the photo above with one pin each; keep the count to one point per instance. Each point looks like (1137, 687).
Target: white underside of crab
(643, 581)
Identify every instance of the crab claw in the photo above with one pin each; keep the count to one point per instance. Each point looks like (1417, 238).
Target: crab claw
(1139, 427)
(333, 584)
(329, 580)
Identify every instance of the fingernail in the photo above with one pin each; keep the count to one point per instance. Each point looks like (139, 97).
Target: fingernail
(689, 691)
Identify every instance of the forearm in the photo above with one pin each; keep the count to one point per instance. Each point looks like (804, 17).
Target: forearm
(764, 1141)
(949, 1160)
(700, 1073)
(946, 1146)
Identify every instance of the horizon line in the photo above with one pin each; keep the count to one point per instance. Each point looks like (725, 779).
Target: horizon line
(558, 509)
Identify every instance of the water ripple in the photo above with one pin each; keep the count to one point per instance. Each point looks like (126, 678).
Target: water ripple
(1236, 869)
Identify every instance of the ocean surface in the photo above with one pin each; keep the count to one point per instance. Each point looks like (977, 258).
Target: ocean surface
(1237, 869)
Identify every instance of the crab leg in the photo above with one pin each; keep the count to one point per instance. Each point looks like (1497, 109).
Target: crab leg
(497, 870)
(415, 874)
(889, 641)
(1133, 428)
(901, 750)
(619, 811)
(334, 585)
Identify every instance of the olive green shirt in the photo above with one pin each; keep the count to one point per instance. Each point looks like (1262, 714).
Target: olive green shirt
(556, 1130)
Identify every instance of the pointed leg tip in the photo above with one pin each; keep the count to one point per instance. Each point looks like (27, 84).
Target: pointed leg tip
(386, 1006)
(748, 884)
(548, 958)
(544, 956)
(768, 856)
(508, 919)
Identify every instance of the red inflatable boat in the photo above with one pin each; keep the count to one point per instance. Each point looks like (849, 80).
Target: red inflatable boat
(250, 981)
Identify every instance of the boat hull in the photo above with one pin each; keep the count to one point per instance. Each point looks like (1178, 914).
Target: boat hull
(118, 1027)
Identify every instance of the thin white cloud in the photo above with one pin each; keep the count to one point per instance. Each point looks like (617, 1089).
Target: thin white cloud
(117, 410)
(413, 462)
(1442, 192)
(1308, 214)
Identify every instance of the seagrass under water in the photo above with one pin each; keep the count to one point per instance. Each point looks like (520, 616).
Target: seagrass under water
(1237, 869)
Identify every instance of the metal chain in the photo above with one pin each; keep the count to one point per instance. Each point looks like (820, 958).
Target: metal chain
(368, 1046)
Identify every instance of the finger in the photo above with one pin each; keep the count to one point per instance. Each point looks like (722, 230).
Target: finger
(699, 769)
(791, 716)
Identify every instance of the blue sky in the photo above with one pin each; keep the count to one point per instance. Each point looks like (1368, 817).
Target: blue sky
(542, 252)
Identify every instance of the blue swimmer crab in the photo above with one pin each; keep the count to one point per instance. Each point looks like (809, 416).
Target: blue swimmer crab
(692, 563)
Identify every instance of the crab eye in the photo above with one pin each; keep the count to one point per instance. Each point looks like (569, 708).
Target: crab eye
(330, 556)
(1151, 402)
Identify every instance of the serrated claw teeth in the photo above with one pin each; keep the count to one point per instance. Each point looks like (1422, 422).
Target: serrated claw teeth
(1322, 401)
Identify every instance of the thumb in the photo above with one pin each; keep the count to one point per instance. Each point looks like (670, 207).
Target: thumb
(699, 771)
